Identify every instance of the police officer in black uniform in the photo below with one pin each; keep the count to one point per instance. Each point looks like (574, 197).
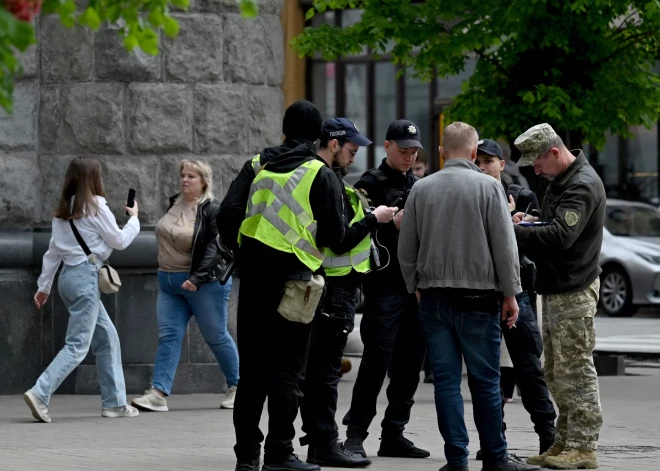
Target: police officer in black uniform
(273, 350)
(524, 343)
(390, 329)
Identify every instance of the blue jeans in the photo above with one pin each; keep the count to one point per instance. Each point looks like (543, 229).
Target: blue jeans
(174, 308)
(455, 329)
(89, 327)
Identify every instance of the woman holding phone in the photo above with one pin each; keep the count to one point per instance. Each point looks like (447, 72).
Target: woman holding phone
(188, 259)
(82, 203)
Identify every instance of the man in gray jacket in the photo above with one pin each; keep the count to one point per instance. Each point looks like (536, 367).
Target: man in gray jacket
(457, 249)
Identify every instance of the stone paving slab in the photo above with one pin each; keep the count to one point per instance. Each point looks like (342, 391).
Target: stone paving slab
(196, 435)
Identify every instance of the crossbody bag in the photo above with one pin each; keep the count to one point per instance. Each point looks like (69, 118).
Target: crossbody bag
(109, 281)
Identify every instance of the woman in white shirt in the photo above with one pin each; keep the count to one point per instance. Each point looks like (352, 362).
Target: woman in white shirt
(83, 203)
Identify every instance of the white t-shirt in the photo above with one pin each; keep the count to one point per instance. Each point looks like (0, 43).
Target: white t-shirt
(99, 231)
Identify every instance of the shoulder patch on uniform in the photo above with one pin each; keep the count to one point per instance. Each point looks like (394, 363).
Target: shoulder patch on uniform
(571, 217)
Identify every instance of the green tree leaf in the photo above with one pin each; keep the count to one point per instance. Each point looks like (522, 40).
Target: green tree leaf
(131, 42)
(248, 8)
(171, 27)
(90, 18)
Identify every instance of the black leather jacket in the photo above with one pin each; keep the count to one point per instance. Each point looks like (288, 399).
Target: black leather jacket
(205, 256)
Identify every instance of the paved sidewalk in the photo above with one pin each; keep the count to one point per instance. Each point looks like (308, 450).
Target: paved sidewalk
(196, 435)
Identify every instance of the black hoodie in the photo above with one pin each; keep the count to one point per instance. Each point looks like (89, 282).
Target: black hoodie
(326, 200)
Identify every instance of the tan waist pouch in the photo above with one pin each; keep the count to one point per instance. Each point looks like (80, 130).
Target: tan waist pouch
(301, 298)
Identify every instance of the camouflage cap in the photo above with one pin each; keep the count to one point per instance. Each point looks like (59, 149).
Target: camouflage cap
(534, 141)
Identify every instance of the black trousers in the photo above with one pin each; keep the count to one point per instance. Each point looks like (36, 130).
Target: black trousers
(391, 333)
(525, 346)
(333, 322)
(273, 354)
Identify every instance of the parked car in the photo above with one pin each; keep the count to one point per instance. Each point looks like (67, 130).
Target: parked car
(630, 258)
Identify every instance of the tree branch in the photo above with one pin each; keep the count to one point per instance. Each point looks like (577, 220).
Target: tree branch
(628, 45)
(624, 22)
(487, 58)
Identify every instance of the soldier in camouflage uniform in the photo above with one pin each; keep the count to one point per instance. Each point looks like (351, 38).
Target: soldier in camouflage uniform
(565, 246)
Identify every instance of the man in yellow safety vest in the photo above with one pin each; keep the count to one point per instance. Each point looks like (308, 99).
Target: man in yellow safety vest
(344, 265)
(283, 208)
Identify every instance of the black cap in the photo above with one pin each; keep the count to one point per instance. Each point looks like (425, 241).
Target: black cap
(405, 133)
(337, 128)
(486, 146)
(302, 120)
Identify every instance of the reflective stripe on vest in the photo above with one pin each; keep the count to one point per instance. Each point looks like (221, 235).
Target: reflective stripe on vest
(256, 163)
(346, 260)
(296, 237)
(358, 257)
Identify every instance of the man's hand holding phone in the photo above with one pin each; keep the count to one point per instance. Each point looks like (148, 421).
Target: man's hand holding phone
(384, 214)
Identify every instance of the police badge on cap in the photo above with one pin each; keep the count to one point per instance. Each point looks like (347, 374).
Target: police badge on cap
(405, 133)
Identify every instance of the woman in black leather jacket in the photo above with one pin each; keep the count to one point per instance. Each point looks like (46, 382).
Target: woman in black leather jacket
(187, 263)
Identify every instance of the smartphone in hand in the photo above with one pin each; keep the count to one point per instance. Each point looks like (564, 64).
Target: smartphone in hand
(130, 202)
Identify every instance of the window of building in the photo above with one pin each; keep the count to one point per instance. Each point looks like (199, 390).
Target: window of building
(356, 108)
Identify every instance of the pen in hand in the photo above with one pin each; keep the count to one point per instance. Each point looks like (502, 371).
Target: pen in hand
(529, 206)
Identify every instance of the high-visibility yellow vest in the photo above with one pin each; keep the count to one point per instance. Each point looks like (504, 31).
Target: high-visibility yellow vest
(358, 258)
(279, 214)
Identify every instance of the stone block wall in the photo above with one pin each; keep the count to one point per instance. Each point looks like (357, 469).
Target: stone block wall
(213, 93)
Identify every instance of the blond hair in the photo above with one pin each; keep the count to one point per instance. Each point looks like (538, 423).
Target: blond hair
(202, 169)
(459, 140)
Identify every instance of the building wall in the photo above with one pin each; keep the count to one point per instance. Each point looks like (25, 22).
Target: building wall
(213, 93)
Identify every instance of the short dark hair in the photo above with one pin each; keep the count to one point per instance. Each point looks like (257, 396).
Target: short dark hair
(422, 156)
(325, 140)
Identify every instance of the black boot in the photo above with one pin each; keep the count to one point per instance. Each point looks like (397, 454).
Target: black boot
(355, 446)
(512, 464)
(292, 463)
(337, 457)
(248, 465)
(400, 448)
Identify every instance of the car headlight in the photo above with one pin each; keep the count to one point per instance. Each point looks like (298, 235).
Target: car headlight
(650, 258)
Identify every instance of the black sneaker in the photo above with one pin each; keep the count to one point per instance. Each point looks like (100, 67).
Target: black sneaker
(480, 456)
(512, 463)
(451, 467)
(248, 465)
(337, 457)
(292, 463)
(355, 446)
(400, 448)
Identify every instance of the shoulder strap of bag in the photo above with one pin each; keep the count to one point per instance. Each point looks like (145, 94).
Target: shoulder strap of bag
(79, 238)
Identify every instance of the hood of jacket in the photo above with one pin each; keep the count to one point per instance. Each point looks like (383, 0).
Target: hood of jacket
(288, 156)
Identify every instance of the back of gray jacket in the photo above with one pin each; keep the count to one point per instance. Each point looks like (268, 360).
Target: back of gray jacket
(457, 233)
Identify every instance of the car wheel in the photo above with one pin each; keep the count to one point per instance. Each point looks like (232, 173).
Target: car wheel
(616, 293)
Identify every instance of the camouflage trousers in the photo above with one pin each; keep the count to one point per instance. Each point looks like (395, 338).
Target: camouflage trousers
(569, 338)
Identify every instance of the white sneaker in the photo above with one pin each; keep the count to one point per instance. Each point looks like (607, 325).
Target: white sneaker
(122, 411)
(150, 402)
(231, 398)
(37, 406)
